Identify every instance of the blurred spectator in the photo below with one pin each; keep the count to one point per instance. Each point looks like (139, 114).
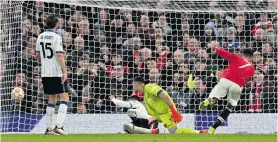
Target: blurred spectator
(202, 53)
(258, 59)
(116, 59)
(267, 50)
(103, 22)
(179, 92)
(119, 82)
(34, 89)
(162, 23)
(145, 55)
(263, 23)
(162, 52)
(194, 46)
(20, 80)
(87, 99)
(262, 95)
(243, 31)
(258, 39)
(171, 66)
(208, 36)
(154, 76)
(231, 41)
(82, 109)
(67, 42)
(199, 93)
(78, 52)
(99, 39)
(130, 32)
(75, 17)
(146, 33)
(81, 74)
(35, 29)
(84, 31)
(32, 42)
(272, 33)
(117, 28)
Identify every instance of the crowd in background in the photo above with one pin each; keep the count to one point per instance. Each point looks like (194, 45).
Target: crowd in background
(106, 48)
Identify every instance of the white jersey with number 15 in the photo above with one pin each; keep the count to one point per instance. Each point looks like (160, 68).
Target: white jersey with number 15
(48, 44)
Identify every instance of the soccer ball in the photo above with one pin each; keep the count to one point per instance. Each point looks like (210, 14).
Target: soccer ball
(17, 94)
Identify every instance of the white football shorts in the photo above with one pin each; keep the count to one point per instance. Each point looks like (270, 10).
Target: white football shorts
(225, 87)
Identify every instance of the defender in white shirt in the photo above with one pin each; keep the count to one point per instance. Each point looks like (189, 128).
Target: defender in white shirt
(142, 123)
(54, 74)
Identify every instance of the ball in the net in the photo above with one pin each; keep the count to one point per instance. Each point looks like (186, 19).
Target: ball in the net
(17, 94)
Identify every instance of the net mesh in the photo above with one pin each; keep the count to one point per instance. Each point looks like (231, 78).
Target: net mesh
(107, 43)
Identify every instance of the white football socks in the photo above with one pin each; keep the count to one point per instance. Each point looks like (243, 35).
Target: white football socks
(62, 112)
(50, 116)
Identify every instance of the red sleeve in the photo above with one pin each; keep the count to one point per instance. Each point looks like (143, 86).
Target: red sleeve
(225, 54)
(269, 25)
(255, 29)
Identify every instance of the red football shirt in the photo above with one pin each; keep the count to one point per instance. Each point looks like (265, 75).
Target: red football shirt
(239, 71)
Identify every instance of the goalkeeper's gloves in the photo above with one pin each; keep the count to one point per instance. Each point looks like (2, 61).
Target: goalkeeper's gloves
(175, 114)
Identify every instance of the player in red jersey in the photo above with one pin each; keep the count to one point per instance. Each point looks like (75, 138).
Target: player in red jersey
(233, 78)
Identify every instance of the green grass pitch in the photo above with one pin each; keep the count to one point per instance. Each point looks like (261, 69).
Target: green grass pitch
(141, 138)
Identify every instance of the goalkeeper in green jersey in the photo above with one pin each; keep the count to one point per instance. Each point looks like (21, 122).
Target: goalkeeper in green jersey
(160, 105)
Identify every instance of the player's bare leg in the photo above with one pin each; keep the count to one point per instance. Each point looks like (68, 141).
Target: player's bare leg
(130, 128)
(62, 112)
(52, 100)
(221, 118)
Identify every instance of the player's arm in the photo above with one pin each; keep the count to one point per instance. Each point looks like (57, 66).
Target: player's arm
(225, 54)
(37, 50)
(120, 103)
(175, 114)
(214, 45)
(60, 57)
(159, 92)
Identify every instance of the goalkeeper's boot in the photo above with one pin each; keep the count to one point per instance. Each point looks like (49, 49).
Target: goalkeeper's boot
(204, 104)
(47, 132)
(155, 131)
(204, 131)
(211, 130)
(60, 131)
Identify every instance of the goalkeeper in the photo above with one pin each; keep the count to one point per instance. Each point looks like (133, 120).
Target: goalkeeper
(160, 105)
(142, 123)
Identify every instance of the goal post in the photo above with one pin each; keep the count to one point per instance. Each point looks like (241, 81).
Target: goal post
(109, 42)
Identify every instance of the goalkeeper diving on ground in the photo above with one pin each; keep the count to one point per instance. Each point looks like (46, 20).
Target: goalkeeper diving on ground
(142, 123)
(161, 106)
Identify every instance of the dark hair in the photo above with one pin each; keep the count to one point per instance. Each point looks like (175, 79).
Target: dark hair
(51, 21)
(119, 17)
(139, 79)
(247, 53)
(204, 61)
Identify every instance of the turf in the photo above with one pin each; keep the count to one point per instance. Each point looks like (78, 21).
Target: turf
(141, 138)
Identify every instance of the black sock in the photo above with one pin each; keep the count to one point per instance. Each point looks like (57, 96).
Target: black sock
(221, 118)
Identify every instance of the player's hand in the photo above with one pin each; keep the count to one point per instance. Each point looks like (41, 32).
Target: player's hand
(177, 117)
(175, 114)
(213, 45)
(64, 77)
(111, 97)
